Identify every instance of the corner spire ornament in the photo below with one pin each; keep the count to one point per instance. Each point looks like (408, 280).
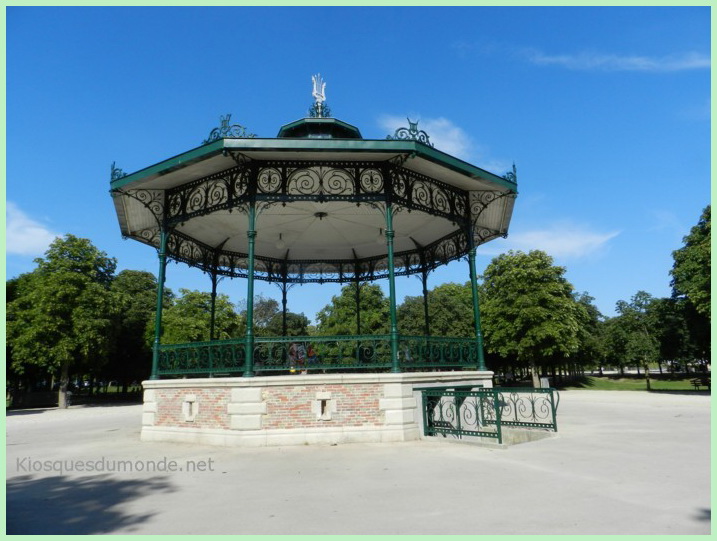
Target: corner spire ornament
(227, 130)
(319, 109)
(412, 133)
(512, 176)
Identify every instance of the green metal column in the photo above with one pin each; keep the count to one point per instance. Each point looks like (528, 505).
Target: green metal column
(358, 308)
(163, 235)
(212, 315)
(391, 288)
(424, 280)
(249, 354)
(476, 308)
(283, 309)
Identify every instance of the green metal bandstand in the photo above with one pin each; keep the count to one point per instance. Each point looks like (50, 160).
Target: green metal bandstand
(309, 206)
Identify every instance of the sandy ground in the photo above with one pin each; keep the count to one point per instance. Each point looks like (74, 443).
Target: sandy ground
(622, 463)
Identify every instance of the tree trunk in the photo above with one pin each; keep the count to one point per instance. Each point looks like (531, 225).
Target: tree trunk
(64, 380)
(534, 374)
(647, 376)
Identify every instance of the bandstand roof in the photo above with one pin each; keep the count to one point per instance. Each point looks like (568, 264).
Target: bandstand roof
(321, 192)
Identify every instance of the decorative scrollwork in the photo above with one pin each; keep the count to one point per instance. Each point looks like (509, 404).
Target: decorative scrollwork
(419, 192)
(319, 110)
(512, 176)
(223, 190)
(320, 180)
(412, 133)
(116, 173)
(269, 180)
(152, 200)
(225, 130)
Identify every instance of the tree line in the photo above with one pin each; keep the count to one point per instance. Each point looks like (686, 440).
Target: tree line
(74, 316)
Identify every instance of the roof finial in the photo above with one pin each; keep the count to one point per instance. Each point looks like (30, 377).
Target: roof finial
(318, 109)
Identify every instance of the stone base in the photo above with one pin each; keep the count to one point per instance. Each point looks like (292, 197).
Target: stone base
(294, 410)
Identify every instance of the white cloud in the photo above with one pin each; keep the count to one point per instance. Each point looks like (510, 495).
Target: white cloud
(449, 138)
(23, 235)
(611, 62)
(566, 241)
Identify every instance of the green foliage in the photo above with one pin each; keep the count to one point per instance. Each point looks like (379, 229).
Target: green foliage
(77, 256)
(615, 336)
(136, 296)
(268, 319)
(591, 332)
(668, 318)
(450, 312)
(637, 330)
(692, 268)
(296, 325)
(264, 310)
(528, 309)
(339, 317)
(189, 319)
(63, 313)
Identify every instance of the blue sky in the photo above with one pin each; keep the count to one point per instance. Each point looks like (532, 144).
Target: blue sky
(605, 112)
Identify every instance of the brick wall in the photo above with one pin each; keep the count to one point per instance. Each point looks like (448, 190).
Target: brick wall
(210, 403)
(296, 407)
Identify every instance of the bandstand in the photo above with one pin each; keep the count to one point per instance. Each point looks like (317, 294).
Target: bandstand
(316, 204)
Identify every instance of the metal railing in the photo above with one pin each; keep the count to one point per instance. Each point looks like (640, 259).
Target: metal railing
(317, 354)
(483, 412)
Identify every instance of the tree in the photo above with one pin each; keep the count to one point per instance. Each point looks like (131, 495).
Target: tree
(136, 296)
(670, 329)
(528, 310)
(590, 333)
(265, 309)
(63, 314)
(188, 319)
(339, 317)
(296, 325)
(641, 346)
(450, 312)
(691, 270)
(615, 336)
(269, 319)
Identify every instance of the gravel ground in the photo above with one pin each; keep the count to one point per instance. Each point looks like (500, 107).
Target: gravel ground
(622, 463)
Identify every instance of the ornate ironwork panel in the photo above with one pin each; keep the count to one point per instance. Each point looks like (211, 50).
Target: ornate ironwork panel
(228, 189)
(419, 192)
(316, 354)
(280, 182)
(483, 412)
(152, 200)
(209, 358)
(416, 352)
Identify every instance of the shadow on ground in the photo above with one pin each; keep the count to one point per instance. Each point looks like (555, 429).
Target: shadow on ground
(76, 505)
(32, 411)
(704, 514)
(691, 392)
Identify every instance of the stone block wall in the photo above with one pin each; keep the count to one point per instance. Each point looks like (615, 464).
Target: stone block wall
(285, 410)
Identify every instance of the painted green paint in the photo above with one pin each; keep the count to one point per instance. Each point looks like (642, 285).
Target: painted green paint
(164, 235)
(313, 145)
(251, 234)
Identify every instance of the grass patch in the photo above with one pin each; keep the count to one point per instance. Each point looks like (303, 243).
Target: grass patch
(633, 383)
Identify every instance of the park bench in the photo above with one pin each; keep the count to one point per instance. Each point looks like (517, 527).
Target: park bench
(701, 382)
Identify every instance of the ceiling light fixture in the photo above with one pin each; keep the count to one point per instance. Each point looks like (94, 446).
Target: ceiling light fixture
(280, 244)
